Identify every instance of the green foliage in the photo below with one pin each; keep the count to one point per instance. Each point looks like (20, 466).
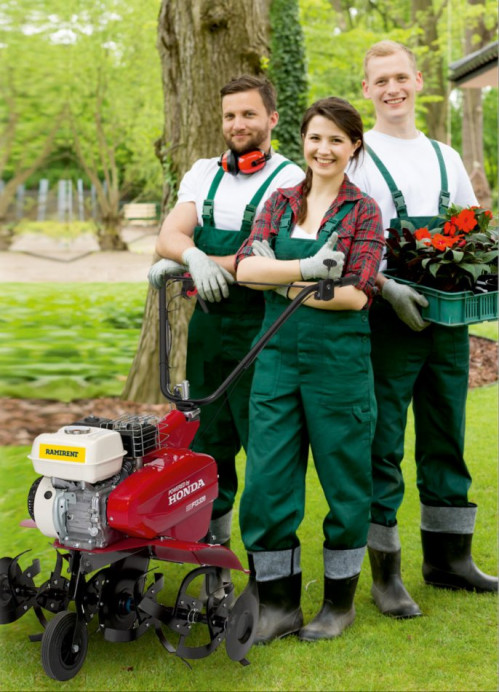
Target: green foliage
(454, 647)
(68, 341)
(116, 95)
(55, 229)
(31, 71)
(336, 42)
(287, 70)
(490, 139)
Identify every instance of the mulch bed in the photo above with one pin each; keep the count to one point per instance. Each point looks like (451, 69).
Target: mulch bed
(21, 420)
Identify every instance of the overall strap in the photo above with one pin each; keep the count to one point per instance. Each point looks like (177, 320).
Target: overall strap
(250, 209)
(207, 215)
(330, 225)
(333, 223)
(286, 220)
(397, 196)
(444, 196)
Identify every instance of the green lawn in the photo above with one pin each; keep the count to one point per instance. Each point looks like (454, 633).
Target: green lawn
(68, 341)
(454, 647)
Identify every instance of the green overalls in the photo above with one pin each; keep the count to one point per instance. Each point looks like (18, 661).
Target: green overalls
(312, 385)
(217, 341)
(431, 368)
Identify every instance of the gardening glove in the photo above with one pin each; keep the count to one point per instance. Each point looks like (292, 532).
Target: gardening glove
(314, 268)
(405, 301)
(261, 248)
(211, 280)
(161, 270)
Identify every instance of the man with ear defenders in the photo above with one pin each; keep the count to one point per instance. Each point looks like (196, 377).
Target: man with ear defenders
(217, 202)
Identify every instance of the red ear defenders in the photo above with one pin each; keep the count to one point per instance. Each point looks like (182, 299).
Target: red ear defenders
(248, 163)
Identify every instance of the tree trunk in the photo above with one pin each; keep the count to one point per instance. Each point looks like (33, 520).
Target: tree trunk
(6, 235)
(109, 233)
(472, 125)
(431, 65)
(202, 44)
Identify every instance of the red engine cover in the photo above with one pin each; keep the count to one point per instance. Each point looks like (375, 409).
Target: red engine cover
(169, 496)
(175, 431)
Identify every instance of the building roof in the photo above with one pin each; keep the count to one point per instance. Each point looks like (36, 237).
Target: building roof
(477, 70)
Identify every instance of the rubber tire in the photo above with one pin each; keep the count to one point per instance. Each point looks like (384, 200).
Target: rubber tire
(58, 661)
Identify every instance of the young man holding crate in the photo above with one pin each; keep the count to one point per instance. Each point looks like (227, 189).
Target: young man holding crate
(414, 178)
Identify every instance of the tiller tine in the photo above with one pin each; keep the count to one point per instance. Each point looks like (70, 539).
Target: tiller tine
(17, 589)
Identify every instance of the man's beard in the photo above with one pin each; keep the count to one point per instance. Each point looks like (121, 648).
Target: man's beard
(255, 142)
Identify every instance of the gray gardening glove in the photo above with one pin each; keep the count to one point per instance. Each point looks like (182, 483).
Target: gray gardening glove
(405, 301)
(314, 268)
(261, 248)
(211, 280)
(161, 270)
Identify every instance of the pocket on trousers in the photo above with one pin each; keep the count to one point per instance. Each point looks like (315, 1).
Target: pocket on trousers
(266, 375)
(367, 417)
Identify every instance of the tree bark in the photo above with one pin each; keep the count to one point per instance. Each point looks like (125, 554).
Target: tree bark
(202, 44)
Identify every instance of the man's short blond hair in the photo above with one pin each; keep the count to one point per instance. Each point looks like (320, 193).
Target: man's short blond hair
(387, 47)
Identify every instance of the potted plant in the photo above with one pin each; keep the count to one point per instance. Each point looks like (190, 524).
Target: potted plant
(452, 257)
(454, 265)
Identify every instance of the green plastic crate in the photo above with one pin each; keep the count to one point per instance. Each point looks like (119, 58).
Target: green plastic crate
(455, 309)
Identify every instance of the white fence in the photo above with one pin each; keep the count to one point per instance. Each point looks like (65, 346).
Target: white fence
(66, 202)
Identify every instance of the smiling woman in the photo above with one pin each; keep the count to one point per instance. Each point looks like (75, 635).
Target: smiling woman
(323, 228)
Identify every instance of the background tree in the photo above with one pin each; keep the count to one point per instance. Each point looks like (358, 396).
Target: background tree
(30, 112)
(202, 44)
(480, 30)
(287, 70)
(113, 102)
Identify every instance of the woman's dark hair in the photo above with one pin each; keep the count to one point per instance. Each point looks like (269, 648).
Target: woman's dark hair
(347, 118)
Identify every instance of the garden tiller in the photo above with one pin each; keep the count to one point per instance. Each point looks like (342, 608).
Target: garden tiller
(115, 494)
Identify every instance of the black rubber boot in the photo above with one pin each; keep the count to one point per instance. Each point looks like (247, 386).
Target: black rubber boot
(447, 563)
(388, 590)
(337, 612)
(280, 613)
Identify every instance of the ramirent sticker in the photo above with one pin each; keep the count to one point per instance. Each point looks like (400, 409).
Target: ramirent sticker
(63, 453)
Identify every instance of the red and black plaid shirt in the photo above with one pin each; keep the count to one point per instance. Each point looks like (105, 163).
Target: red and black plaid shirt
(360, 235)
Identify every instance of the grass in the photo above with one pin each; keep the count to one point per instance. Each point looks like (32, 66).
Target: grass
(49, 332)
(55, 229)
(454, 647)
(48, 349)
(48, 337)
(487, 330)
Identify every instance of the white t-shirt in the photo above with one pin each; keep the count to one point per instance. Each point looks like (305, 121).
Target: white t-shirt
(234, 191)
(413, 165)
(298, 232)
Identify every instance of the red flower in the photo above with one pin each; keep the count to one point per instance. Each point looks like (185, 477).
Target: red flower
(466, 220)
(439, 241)
(442, 242)
(424, 235)
(449, 228)
(488, 214)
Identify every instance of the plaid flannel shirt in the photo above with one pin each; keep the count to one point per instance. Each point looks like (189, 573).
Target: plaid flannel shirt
(360, 236)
